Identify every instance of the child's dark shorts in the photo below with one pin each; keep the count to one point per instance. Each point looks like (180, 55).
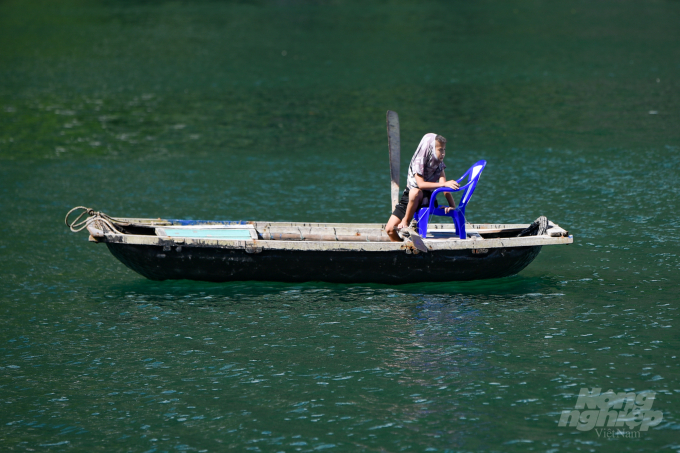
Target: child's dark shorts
(400, 208)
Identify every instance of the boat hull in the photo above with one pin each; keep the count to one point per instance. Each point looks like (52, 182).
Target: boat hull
(390, 267)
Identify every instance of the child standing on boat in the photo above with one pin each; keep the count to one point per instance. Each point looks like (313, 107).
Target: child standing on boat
(425, 174)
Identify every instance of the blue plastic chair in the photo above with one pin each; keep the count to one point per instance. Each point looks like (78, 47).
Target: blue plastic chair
(458, 215)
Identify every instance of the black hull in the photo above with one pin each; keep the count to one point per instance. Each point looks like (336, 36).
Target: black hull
(224, 265)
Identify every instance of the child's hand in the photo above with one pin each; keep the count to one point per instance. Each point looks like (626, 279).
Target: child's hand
(448, 209)
(451, 184)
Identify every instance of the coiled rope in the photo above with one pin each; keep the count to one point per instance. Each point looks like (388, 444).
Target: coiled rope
(94, 216)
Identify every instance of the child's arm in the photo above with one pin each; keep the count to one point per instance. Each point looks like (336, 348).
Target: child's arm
(423, 185)
(436, 185)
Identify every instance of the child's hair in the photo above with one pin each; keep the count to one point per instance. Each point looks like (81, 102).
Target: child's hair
(440, 139)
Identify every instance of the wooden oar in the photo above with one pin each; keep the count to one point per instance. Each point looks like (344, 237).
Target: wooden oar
(394, 145)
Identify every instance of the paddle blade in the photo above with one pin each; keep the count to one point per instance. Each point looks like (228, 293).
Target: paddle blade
(394, 145)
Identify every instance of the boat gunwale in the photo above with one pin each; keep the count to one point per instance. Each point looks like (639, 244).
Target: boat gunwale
(556, 235)
(328, 246)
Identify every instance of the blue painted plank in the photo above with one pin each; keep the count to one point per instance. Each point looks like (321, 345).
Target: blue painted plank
(207, 222)
(232, 234)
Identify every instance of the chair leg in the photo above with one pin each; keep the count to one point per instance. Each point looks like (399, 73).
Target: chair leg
(459, 220)
(422, 222)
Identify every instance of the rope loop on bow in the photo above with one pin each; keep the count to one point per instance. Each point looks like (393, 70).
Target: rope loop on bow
(81, 223)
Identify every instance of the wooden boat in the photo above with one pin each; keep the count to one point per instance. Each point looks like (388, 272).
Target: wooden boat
(221, 251)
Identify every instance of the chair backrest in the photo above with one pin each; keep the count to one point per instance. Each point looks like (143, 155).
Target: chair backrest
(473, 175)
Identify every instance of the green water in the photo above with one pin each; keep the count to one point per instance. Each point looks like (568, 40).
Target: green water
(276, 111)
